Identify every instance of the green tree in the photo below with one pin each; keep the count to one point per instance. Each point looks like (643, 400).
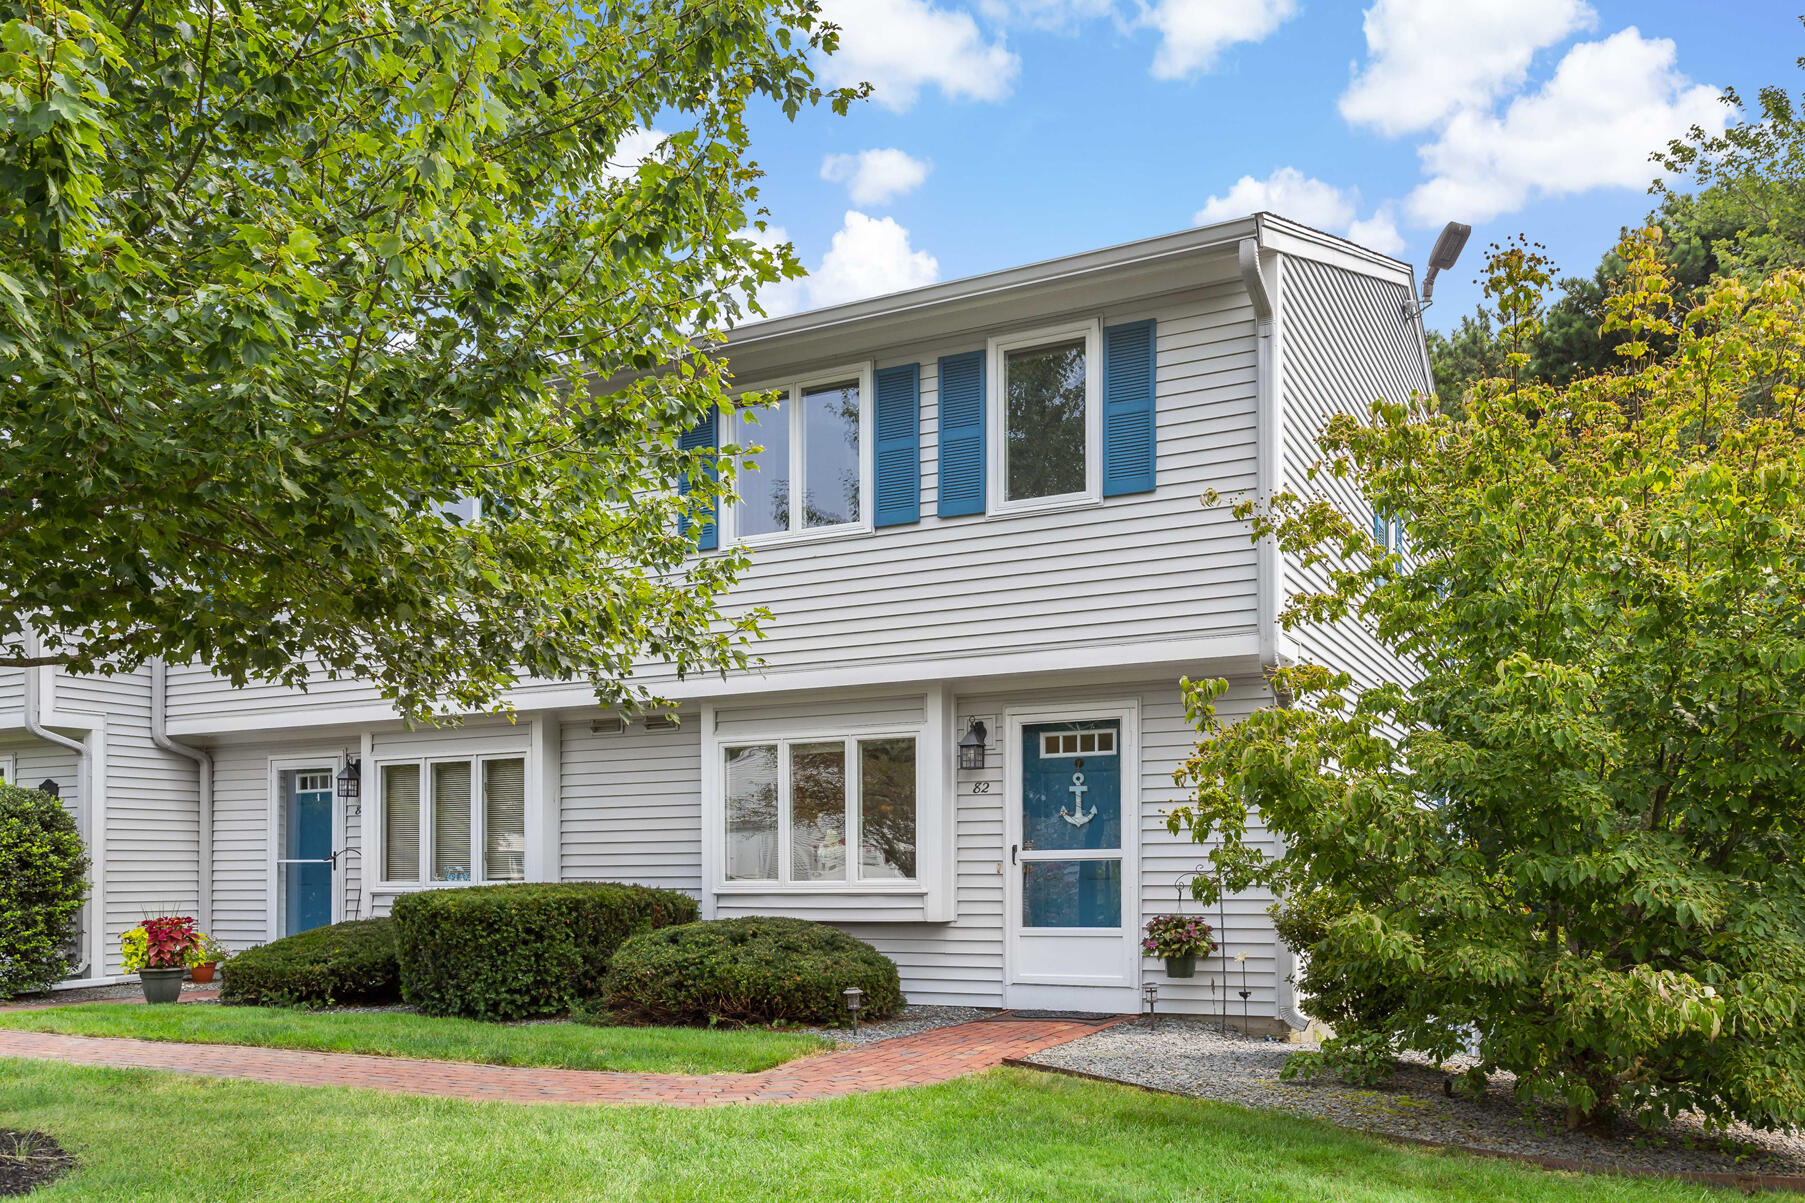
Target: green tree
(283, 283)
(1576, 835)
(43, 881)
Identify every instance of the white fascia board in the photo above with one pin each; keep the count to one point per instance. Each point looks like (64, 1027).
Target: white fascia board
(1191, 655)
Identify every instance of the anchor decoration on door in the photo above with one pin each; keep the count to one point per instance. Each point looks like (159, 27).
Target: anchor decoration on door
(1077, 816)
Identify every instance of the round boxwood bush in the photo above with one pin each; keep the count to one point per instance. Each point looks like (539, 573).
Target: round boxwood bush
(43, 880)
(757, 970)
(343, 965)
(510, 951)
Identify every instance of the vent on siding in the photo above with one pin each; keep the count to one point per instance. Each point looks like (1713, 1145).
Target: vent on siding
(607, 726)
(661, 722)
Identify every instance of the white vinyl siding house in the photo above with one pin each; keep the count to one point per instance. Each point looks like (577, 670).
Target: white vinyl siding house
(979, 503)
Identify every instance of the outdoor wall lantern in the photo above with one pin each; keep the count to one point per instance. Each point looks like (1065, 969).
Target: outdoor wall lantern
(971, 745)
(853, 996)
(350, 780)
(51, 787)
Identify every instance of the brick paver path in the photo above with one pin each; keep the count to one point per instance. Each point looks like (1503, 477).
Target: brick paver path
(917, 1060)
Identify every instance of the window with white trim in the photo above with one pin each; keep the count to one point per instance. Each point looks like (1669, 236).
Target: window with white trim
(6, 771)
(814, 472)
(452, 820)
(1046, 419)
(1093, 741)
(815, 812)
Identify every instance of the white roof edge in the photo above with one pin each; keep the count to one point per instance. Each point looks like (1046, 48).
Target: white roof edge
(1198, 240)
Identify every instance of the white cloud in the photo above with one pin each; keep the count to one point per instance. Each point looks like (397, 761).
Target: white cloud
(634, 148)
(1046, 14)
(1592, 125)
(1290, 193)
(900, 46)
(874, 177)
(1427, 59)
(1378, 232)
(1194, 32)
(869, 256)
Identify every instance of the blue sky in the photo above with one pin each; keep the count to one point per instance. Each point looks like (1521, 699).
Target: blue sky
(1006, 131)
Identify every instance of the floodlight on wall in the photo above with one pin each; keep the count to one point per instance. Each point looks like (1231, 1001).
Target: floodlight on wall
(1448, 245)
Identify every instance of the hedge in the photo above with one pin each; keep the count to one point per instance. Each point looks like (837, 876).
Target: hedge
(510, 951)
(757, 970)
(345, 964)
(43, 880)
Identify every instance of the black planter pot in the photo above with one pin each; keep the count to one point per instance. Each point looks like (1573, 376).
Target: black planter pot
(162, 985)
(1181, 966)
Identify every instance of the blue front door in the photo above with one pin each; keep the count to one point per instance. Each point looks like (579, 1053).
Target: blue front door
(1071, 853)
(304, 860)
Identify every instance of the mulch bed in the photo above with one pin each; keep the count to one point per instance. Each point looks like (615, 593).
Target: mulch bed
(30, 1159)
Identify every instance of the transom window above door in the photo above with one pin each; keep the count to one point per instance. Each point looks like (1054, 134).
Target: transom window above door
(1047, 428)
(814, 473)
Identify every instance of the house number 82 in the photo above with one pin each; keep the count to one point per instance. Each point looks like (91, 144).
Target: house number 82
(980, 787)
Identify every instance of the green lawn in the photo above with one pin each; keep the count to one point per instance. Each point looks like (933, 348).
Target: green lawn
(399, 1034)
(1007, 1134)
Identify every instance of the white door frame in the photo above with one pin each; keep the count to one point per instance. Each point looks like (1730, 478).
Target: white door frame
(334, 763)
(1051, 992)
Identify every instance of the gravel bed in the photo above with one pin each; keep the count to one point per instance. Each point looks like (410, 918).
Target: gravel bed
(88, 994)
(907, 1022)
(1193, 1057)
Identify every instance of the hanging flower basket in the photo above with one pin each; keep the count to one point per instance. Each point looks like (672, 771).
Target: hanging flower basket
(1178, 940)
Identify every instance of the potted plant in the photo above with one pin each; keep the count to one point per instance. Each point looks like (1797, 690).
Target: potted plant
(1179, 940)
(205, 957)
(157, 950)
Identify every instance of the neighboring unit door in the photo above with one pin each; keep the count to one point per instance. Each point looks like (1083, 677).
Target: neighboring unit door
(1071, 893)
(304, 854)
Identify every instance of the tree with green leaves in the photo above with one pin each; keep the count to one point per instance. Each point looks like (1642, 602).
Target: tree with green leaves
(1575, 836)
(359, 339)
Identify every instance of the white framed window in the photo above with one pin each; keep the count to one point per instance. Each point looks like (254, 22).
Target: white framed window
(1046, 418)
(813, 477)
(452, 820)
(1086, 741)
(821, 813)
(7, 776)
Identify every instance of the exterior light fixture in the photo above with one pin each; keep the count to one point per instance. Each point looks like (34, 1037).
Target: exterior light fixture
(854, 998)
(51, 787)
(350, 780)
(1150, 992)
(971, 745)
(1446, 252)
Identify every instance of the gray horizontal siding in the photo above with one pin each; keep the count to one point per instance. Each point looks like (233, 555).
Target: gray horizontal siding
(631, 806)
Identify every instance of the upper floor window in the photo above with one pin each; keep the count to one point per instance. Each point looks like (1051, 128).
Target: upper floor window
(453, 820)
(1046, 433)
(814, 472)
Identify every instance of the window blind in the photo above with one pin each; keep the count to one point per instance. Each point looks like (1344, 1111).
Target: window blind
(401, 822)
(451, 821)
(504, 820)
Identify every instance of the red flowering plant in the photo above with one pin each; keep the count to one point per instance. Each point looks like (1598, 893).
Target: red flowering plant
(163, 943)
(1178, 936)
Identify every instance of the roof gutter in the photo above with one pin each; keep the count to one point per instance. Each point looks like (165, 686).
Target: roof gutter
(203, 761)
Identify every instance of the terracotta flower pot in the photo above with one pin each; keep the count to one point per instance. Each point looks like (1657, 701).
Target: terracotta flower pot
(203, 972)
(162, 985)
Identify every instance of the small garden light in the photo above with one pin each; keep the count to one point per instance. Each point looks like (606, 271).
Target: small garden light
(854, 997)
(971, 745)
(1150, 991)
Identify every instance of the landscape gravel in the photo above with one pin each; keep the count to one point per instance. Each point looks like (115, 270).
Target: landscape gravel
(1192, 1057)
(906, 1022)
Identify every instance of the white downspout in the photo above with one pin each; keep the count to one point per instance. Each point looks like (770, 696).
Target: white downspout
(1269, 566)
(159, 735)
(84, 772)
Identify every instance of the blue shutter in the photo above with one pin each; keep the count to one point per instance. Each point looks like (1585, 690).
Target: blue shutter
(1128, 436)
(898, 454)
(701, 435)
(962, 434)
(1381, 528)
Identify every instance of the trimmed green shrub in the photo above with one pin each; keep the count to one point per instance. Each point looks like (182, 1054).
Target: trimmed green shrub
(510, 951)
(756, 970)
(43, 880)
(342, 965)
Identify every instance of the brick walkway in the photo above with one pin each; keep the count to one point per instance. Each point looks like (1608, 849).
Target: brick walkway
(918, 1060)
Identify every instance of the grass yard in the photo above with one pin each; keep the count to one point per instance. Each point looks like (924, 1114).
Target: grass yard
(1007, 1134)
(400, 1034)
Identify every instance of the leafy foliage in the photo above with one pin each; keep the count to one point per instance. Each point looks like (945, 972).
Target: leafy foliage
(286, 289)
(43, 882)
(756, 970)
(166, 942)
(346, 964)
(1577, 837)
(510, 951)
